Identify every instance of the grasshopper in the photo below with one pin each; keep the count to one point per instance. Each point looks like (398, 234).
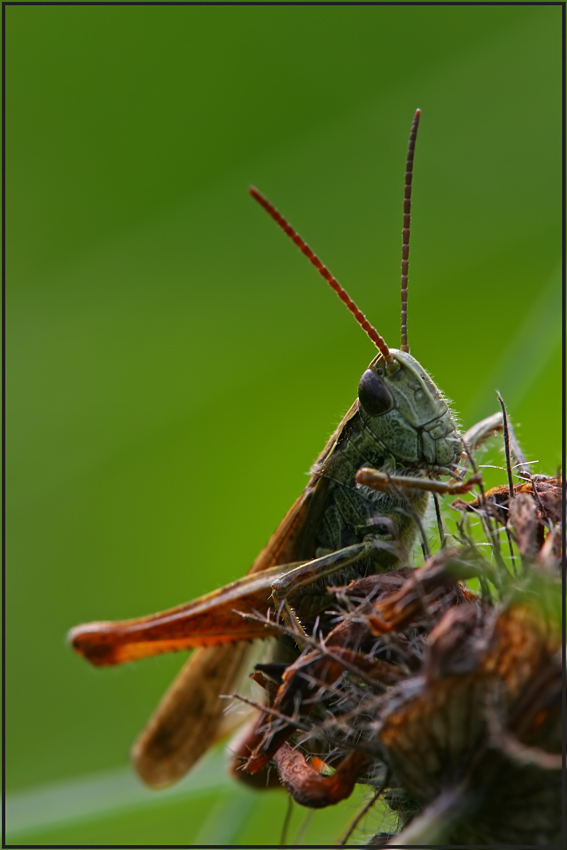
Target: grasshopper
(338, 529)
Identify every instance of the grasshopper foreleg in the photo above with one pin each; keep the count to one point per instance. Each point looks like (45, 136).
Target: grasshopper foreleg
(377, 480)
(478, 434)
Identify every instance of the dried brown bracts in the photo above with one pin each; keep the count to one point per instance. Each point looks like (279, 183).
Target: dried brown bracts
(447, 700)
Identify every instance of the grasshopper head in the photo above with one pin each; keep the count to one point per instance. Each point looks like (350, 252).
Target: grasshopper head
(408, 414)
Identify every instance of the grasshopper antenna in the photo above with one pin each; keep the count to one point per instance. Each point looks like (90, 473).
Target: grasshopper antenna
(406, 229)
(323, 270)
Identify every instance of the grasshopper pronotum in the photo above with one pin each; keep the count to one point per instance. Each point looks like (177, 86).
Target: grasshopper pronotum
(338, 529)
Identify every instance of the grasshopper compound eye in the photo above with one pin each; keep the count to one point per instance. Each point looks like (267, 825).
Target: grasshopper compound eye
(374, 395)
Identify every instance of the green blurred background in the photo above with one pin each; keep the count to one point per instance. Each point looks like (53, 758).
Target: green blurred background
(174, 365)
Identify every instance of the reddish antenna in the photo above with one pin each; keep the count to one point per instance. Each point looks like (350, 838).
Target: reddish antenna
(323, 270)
(406, 229)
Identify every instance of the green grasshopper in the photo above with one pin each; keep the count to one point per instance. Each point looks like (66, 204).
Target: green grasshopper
(401, 426)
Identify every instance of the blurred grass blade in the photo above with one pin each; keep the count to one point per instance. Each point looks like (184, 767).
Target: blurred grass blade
(541, 333)
(228, 815)
(58, 804)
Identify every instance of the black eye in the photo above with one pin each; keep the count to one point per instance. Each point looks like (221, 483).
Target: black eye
(373, 394)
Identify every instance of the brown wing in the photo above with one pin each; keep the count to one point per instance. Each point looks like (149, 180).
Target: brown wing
(187, 721)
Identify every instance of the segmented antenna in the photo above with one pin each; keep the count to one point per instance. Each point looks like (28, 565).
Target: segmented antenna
(406, 229)
(324, 271)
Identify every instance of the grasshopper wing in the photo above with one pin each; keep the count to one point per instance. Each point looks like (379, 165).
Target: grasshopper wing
(189, 717)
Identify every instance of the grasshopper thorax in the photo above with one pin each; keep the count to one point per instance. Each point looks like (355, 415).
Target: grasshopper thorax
(406, 411)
